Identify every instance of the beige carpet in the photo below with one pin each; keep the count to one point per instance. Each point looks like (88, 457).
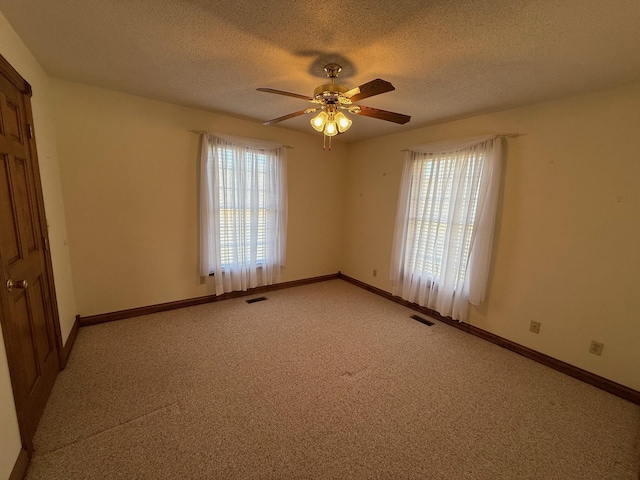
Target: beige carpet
(321, 381)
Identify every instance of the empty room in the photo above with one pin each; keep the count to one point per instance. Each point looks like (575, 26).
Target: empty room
(343, 240)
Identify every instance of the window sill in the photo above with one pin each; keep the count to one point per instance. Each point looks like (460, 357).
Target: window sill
(226, 270)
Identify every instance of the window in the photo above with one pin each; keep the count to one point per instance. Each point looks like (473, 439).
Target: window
(434, 226)
(243, 212)
(444, 225)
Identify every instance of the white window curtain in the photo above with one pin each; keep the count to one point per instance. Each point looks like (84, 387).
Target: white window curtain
(243, 211)
(445, 222)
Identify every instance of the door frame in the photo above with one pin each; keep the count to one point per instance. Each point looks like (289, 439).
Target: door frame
(24, 87)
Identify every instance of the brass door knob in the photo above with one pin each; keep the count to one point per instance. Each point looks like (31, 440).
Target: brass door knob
(17, 284)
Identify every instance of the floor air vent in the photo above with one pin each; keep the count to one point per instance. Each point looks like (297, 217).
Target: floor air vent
(257, 299)
(428, 323)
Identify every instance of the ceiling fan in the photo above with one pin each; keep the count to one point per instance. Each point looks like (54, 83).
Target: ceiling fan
(331, 99)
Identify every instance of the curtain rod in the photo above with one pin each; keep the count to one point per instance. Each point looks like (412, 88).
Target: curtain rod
(504, 135)
(200, 132)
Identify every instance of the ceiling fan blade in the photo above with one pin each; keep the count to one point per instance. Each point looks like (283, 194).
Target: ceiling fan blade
(384, 115)
(291, 115)
(369, 89)
(288, 94)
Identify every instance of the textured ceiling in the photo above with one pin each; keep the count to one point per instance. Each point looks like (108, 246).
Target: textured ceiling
(447, 58)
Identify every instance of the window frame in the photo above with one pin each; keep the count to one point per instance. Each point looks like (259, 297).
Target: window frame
(262, 159)
(418, 260)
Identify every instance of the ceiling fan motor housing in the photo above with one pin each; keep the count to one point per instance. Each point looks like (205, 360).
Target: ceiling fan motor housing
(329, 93)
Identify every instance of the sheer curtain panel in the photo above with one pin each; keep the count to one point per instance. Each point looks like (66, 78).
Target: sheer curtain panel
(444, 223)
(243, 211)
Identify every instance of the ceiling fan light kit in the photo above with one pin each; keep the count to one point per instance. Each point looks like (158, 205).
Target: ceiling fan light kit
(331, 123)
(331, 98)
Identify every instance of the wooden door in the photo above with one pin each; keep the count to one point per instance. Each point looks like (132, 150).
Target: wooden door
(28, 313)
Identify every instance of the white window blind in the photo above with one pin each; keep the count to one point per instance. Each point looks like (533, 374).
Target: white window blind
(434, 226)
(243, 208)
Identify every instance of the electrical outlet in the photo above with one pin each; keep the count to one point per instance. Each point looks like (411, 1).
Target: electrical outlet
(596, 347)
(375, 272)
(534, 327)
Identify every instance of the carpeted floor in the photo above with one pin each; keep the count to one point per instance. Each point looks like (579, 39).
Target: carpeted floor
(320, 381)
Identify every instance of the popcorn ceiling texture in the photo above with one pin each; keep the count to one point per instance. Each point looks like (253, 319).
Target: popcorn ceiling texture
(321, 381)
(447, 59)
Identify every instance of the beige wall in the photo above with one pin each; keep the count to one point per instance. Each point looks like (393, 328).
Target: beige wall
(129, 169)
(566, 250)
(17, 54)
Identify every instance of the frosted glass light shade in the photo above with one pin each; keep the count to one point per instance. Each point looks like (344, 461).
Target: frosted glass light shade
(343, 122)
(318, 122)
(331, 129)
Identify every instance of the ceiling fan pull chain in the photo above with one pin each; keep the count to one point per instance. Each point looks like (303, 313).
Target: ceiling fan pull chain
(324, 143)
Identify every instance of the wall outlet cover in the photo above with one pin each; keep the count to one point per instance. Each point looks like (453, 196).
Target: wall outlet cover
(596, 347)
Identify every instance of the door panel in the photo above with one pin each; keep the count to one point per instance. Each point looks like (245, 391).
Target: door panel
(24, 202)
(9, 241)
(27, 310)
(12, 121)
(26, 348)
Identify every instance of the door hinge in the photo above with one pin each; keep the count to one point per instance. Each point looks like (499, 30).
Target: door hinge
(45, 242)
(30, 130)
